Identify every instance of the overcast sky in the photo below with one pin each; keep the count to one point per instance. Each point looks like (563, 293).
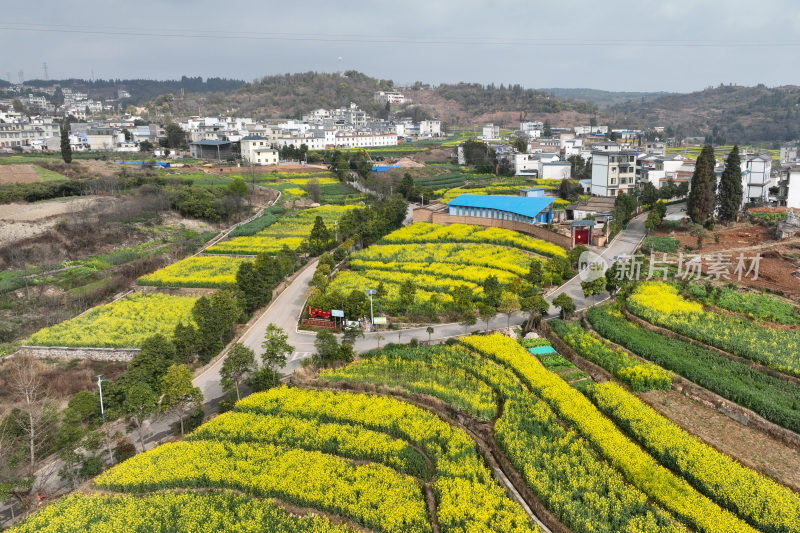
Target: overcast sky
(673, 45)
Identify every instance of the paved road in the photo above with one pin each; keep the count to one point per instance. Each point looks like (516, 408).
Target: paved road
(625, 244)
(284, 312)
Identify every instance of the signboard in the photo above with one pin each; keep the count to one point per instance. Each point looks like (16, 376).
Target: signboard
(379, 320)
(337, 312)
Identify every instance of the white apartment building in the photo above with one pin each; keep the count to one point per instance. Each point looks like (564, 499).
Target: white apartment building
(430, 128)
(756, 177)
(613, 173)
(389, 96)
(24, 133)
(491, 133)
(532, 129)
(356, 139)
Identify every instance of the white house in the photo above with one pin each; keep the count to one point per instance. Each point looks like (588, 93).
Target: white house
(613, 173)
(430, 128)
(491, 133)
(790, 187)
(756, 176)
(389, 96)
(249, 146)
(532, 129)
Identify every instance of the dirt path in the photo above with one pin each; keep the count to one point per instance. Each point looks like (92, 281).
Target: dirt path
(751, 447)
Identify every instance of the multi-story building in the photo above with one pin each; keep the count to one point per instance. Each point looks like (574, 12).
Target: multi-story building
(22, 132)
(613, 173)
(430, 128)
(756, 177)
(789, 187)
(389, 96)
(257, 150)
(491, 133)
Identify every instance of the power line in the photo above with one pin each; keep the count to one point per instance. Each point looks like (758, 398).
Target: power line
(391, 40)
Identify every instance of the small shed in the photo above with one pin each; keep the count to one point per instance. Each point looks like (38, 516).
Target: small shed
(532, 192)
(582, 232)
(211, 149)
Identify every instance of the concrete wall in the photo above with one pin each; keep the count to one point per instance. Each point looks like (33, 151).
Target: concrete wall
(63, 352)
(530, 229)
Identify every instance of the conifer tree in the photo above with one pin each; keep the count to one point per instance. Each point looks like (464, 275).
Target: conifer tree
(66, 149)
(702, 197)
(729, 197)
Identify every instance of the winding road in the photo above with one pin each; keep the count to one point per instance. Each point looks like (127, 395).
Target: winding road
(284, 311)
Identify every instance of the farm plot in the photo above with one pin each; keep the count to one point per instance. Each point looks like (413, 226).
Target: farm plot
(287, 231)
(662, 305)
(214, 272)
(366, 459)
(771, 397)
(124, 323)
(426, 274)
(423, 232)
(554, 462)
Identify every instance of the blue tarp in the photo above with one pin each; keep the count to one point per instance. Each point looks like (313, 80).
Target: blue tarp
(542, 350)
(381, 168)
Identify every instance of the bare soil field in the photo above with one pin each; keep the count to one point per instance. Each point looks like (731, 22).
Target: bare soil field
(18, 173)
(780, 260)
(20, 221)
(753, 448)
(299, 169)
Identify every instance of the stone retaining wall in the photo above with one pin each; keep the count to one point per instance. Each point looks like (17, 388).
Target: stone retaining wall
(530, 229)
(66, 352)
(194, 292)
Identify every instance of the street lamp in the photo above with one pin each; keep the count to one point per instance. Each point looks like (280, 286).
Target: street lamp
(100, 381)
(370, 293)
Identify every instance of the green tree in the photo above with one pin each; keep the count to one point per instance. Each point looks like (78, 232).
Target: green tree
(537, 306)
(429, 331)
(184, 338)
(408, 292)
(653, 220)
(140, 402)
(250, 285)
(238, 187)
(547, 131)
(520, 145)
(729, 197)
(178, 394)
(175, 135)
(698, 232)
(314, 190)
(319, 239)
(406, 187)
(593, 287)
(327, 349)
(276, 349)
(356, 304)
(468, 319)
(486, 312)
(380, 291)
(534, 275)
(702, 195)
(649, 195)
(509, 304)
(574, 255)
(145, 146)
(492, 291)
(624, 208)
(152, 361)
(66, 148)
(565, 304)
(238, 365)
(462, 297)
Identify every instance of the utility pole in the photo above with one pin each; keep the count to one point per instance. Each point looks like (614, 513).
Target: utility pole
(336, 229)
(100, 381)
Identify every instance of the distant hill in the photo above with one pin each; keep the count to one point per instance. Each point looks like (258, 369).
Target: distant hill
(603, 98)
(726, 114)
(141, 90)
(292, 95)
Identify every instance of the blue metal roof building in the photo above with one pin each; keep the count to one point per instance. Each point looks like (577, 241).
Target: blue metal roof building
(515, 208)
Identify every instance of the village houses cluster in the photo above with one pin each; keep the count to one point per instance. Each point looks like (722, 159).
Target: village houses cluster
(620, 160)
